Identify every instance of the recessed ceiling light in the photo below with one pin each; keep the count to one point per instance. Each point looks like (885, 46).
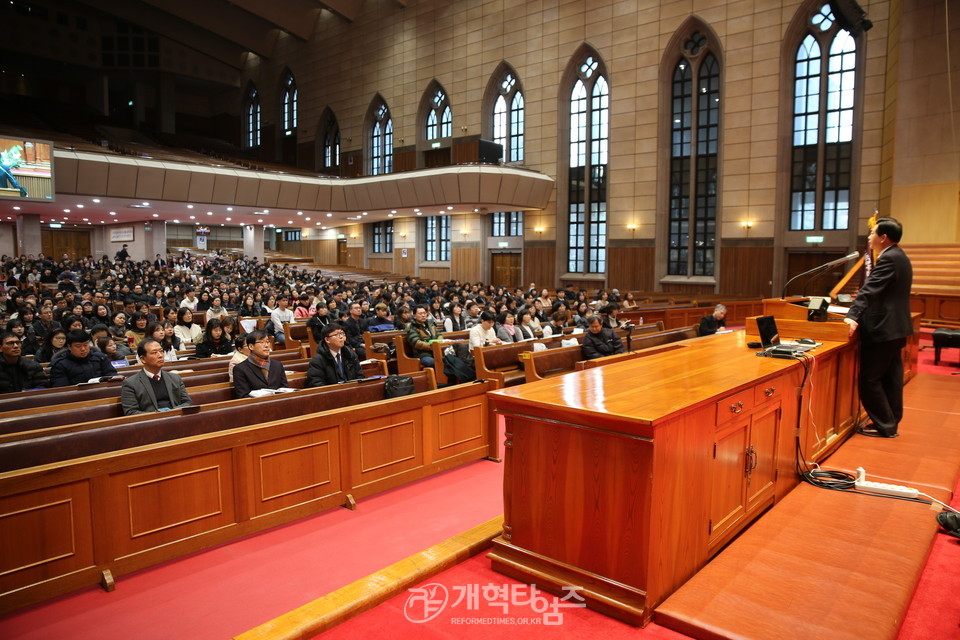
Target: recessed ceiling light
(299, 213)
(329, 215)
(146, 204)
(449, 208)
(266, 211)
(389, 215)
(364, 213)
(229, 219)
(394, 211)
(416, 210)
(307, 219)
(156, 215)
(96, 201)
(113, 213)
(193, 217)
(229, 208)
(289, 221)
(189, 206)
(16, 208)
(102, 222)
(419, 214)
(209, 213)
(79, 206)
(66, 210)
(260, 220)
(176, 222)
(86, 219)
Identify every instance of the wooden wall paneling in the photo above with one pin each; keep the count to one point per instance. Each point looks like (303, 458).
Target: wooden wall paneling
(687, 289)
(171, 501)
(440, 274)
(294, 470)
(381, 264)
(46, 533)
(321, 250)
(539, 265)
(405, 266)
(746, 271)
(586, 285)
(404, 160)
(454, 428)
(379, 450)
(465, 263)
(631, 268)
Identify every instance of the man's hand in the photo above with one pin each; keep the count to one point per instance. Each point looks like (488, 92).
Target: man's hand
(852, 324)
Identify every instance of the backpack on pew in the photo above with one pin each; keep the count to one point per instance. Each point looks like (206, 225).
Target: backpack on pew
(397, 386)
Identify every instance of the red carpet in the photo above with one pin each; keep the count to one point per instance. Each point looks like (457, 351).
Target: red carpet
(227, 590)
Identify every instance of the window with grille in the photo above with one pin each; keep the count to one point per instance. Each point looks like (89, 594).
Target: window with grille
(508, 118)
(381, 140)
(507, 223)
(437, 238)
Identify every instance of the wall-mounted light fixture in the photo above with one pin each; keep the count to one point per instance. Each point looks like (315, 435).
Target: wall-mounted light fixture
(403, 234)
(538, 230)
(746, 225)
(465, 232)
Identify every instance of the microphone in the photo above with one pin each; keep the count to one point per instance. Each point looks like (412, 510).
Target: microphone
(832, 263)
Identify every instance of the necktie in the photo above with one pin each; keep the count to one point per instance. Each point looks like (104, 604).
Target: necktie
(156, 377)
(339, 367)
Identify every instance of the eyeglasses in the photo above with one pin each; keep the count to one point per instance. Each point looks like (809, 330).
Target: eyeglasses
(266, 342)
(338, 334)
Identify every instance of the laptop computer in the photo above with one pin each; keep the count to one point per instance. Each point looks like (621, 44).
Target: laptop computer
(770, 338)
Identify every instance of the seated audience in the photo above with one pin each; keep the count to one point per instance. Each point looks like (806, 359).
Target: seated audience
(555, 327)
(240, 353)
(258, 371)
(381, 320)
(56, 341)
(482, 335)
(78, 363)
(186, 329)
(507, 329)
(717, 320)
(152, 389)
(108, 347)
(600, 341)
(156, 331)
(454, 321)
(355, 326)
(28, 343)
(334, 360)
(216, 309)
(421, 332)
(16, 372)
(214, 343)
(279, 317)
(137, 332)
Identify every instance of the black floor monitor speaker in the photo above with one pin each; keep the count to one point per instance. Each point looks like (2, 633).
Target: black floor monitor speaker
(489, 152)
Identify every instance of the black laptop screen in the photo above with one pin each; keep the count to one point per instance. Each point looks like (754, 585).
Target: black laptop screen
(767, 327)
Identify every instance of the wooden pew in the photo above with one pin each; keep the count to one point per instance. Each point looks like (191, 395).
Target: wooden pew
(439, 347)
(21, 424)
(647, 345)
(109, 434)
(381, 337)
(503, 363)
(88, 391)
(128, 504)
(546, 364)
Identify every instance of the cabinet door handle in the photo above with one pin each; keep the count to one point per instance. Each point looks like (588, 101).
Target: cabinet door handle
(752, 459)
(769, 391)
(736, 408)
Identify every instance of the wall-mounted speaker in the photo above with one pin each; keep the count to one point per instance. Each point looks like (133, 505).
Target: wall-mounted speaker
(489, 152)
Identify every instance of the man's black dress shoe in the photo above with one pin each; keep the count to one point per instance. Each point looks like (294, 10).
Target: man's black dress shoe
(950, 522)
(873, 432)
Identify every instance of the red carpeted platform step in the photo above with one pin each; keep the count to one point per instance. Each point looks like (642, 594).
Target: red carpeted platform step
(820, 564)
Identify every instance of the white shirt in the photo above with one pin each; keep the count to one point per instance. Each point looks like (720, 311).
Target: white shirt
(479, 336)
(279, 316)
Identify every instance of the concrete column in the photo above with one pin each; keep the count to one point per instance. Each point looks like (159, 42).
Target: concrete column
(28, 234)
(253, 241)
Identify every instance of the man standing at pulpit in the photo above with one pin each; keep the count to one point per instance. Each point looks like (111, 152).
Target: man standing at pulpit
(882, 313)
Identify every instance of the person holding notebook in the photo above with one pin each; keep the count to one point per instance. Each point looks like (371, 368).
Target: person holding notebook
(882, 314)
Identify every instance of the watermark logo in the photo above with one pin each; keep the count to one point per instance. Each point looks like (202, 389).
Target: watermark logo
(425, 603)
(429, 601)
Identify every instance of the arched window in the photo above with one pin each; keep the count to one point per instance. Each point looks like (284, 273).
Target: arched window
(251, 118)
(694, 159)
(587, 175)
(824, 77)
(508, 118)
(330, 142)
(288, 108)
(381, 140)
(439, 117)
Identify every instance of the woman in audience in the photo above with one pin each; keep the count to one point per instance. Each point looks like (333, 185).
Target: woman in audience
(507, 329)
(56, 341)
(628, 301)
(137, 332)
(231, 328)
(156, 331)
(186, 330)
(582, 317)
(109, 347)
(216, 309)
(455, 321)
(436, 310)
(118, 325)
(204, 302)
(269, 305)
(402, 318)
(170, 335)
(250, 307)
(525, 326)
(214, 343)
(101, 314)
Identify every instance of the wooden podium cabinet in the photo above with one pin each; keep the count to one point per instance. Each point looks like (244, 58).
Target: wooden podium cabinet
(623, 480)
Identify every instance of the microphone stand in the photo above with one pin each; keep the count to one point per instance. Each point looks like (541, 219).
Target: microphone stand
(832, 263)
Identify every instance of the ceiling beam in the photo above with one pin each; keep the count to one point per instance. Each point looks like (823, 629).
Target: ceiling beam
(171, 27)
(225, 20)
(298, 17)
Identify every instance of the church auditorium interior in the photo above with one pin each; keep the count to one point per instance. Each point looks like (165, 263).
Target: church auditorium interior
(515, 261)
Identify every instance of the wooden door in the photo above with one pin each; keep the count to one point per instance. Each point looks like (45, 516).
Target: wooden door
(728, 477)
(505, 269)
(762, 456)
(817, 284)
(73, 242)
(341, 252)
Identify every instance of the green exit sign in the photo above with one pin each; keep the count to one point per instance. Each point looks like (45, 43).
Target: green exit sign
(815, 239)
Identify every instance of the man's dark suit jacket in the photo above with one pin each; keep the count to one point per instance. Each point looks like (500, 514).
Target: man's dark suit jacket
(136, 394)
(882, 307)
(248, 377)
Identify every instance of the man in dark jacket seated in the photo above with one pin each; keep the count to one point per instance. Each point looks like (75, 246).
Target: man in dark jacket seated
(16, 372)
(77, 363)
(258, 371)
(334, 360)
(716, 321)
(600, 341)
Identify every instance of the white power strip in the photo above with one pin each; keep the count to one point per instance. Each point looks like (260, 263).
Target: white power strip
(879, 487)
(887, 489)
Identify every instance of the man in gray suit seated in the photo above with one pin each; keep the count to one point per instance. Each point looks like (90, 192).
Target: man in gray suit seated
(152, 389)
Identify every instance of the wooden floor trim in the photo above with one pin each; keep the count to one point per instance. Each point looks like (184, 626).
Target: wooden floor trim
(325, 612)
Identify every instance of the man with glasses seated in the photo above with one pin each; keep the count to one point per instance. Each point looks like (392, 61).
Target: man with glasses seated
(77, 363)
(334, 360)
(258, 371)
(16, 372)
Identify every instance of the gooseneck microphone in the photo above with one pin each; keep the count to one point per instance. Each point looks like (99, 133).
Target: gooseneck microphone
(832, 263)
